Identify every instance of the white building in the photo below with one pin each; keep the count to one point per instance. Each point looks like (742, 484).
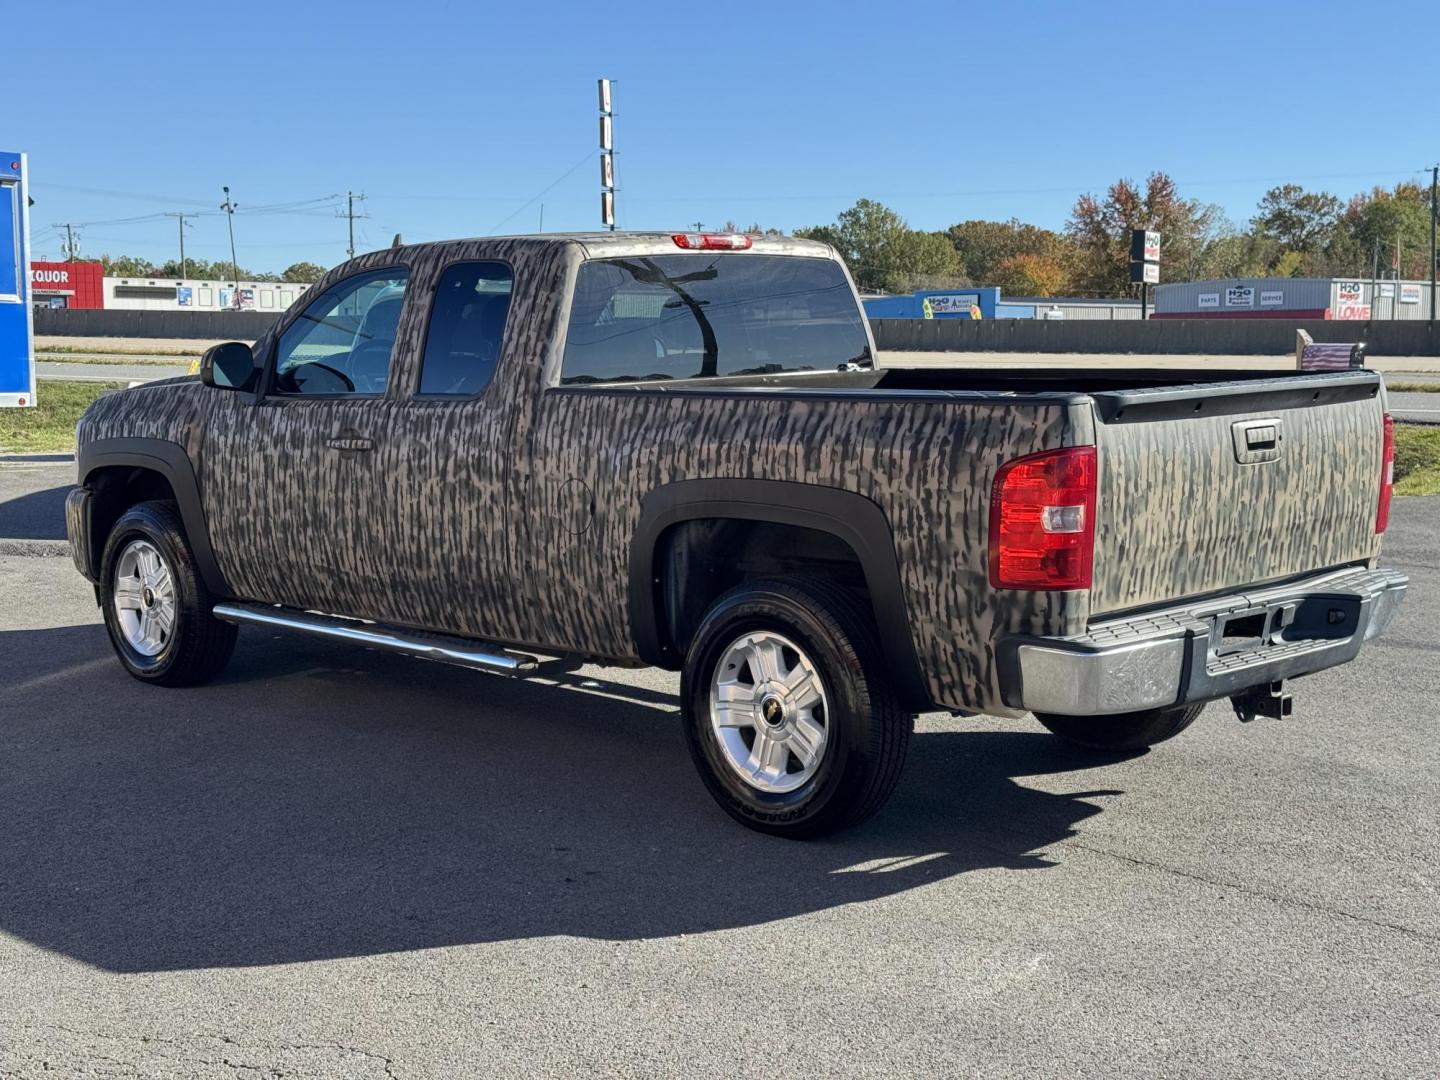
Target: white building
(167, 294)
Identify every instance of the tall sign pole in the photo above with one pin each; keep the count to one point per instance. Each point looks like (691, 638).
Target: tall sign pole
(607, 158)
(1434, 217)
(1144, 263)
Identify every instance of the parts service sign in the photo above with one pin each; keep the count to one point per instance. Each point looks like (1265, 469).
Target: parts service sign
(17, 355)
(1349, 300)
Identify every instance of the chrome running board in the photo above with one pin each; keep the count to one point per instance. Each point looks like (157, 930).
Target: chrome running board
(444, 648)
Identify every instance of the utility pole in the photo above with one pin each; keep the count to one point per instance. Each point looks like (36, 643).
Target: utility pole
(229, 208)
(71, 250)
(1434, 216)
(351, 215)
(184, 268)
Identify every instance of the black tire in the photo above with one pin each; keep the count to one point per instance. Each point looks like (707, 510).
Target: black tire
(199, 645)
(867, 729)
(1124, 731)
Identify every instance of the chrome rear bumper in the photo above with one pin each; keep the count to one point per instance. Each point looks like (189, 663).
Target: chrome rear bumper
(1202, 651)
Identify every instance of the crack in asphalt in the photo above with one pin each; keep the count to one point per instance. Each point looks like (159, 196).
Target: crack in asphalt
(1250, 890)
(188, 1045)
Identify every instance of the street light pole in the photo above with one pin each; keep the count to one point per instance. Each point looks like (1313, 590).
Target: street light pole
(229, 208)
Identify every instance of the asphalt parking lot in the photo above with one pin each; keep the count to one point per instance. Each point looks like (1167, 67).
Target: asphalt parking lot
(335, 863)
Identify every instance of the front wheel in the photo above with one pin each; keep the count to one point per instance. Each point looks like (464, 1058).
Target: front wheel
(156, 606)
(791, 719)
(1125, 731)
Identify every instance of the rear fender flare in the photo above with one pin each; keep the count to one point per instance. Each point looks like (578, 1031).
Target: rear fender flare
(852, 518)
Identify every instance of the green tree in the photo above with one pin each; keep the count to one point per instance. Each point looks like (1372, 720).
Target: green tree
(884, 253)
(985, 246)
(126, 266)
(1394, 222)
(1299, 220)
(307, 272)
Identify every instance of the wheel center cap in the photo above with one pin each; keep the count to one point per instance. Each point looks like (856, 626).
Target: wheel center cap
(772, 712)
(148, 596)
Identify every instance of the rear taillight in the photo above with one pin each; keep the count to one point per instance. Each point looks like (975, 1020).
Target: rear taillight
(1387, 475)
(1042, 521)
(709, 241)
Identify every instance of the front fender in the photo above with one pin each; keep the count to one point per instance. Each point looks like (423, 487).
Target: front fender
(170, 461)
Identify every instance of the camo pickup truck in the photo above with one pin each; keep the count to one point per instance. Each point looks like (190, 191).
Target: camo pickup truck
(520, 453)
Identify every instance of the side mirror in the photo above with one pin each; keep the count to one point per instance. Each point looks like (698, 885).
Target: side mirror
(229, 366)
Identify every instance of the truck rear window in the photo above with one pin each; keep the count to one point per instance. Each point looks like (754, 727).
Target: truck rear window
(702, 315)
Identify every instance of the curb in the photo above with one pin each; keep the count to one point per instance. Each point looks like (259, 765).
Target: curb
(37, 459)
(45, 549)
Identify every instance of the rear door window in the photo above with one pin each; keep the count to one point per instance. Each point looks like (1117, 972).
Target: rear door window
(703, 315)
(467, 326)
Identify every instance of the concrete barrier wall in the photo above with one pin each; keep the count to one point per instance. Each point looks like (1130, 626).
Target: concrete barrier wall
(1220, 337)
(217, 325)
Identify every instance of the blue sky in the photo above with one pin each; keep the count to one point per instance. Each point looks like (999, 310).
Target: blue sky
(454, 117)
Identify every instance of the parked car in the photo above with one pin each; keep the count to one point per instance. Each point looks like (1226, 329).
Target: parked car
(679, 450)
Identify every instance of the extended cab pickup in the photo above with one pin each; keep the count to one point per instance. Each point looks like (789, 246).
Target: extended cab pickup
(679, 450)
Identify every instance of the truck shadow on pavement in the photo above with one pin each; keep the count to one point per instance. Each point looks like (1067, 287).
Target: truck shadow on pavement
(321, 802)
(39, 515)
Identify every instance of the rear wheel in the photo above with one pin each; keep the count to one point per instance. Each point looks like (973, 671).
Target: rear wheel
(1125, 731)
(790, 716)
(156, 607)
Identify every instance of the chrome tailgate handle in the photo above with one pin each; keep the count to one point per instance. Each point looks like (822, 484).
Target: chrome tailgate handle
(1257, 441)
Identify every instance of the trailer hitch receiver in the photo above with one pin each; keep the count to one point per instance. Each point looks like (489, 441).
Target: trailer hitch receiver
(1270, 700)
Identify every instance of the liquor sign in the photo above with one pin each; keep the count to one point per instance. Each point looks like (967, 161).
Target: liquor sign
(17, 331)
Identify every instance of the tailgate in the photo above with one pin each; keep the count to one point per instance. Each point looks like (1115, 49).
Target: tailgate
(1217, 486)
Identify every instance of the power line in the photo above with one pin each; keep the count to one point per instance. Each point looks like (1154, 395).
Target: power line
(543, 191)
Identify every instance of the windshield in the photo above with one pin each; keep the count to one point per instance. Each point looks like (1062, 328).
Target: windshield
(702, 315)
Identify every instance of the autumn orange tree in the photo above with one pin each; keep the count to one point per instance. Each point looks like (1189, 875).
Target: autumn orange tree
(1030, 275)
(1101, 227)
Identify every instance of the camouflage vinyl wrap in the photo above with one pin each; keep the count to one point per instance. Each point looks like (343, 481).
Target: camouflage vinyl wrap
(1178, 516)
(474, 516)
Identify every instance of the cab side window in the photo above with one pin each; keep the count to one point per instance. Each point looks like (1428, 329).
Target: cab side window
(342, 343)
(467, 326)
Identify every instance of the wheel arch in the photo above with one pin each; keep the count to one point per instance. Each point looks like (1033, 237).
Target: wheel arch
(857, 522)
(167, 461)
